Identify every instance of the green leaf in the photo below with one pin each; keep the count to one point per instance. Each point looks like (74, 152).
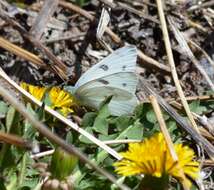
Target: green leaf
(141, 110)
(29, 130)
(107, 137)
(135, 131)
(40, 112)
(151, 117)
(122, 122)
(3, 109)
(10, 117)
(171, 126)
(69, 137)
(88, 119)
(7, 158)
(47, 100)
(101, 123)
(196, 107)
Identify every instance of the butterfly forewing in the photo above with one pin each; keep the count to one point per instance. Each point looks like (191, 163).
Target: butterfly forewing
(121, 60)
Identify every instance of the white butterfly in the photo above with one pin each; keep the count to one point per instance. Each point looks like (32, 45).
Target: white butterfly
(113, 76)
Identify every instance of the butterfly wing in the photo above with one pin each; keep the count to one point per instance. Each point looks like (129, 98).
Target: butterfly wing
(121, 86)
(121, 60)
(113, 76)
(116, 106)
(123, 83)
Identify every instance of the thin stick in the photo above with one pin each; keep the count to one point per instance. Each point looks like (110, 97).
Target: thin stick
(121, 141)
(42, 154)
(167, 137)
(163, 127)
(60, 117)
(15, 140)
(172, 64)
(43, 129)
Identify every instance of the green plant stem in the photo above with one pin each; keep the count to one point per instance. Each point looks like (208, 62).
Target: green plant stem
(21, 176)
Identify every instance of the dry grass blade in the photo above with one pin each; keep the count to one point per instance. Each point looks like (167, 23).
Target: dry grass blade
(21, 52)
(145, 60)
(43, 129)
(198, 138)
(185, 48)
(49, 7)
(60, 117)
(167, 137)
(15, 140)
(162, 126)
(172, 64)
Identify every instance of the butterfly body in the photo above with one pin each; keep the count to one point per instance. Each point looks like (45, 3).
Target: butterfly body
(113, 76)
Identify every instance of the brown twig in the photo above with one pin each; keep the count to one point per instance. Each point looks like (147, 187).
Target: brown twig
(21, 52)
(43, 129)
(15, 140)
(172, 64)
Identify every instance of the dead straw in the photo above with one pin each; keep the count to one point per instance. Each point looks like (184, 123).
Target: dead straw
(172, 64)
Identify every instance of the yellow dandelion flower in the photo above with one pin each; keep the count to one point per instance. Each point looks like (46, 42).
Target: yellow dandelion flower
(36, 91)
(152, 157)
(61, 100)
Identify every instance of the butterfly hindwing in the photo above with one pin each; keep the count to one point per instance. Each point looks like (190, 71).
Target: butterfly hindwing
(116, 107)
